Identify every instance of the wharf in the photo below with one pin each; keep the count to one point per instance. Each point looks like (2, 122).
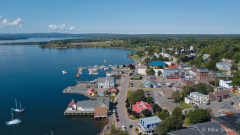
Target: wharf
(79, 89)
(78, 112)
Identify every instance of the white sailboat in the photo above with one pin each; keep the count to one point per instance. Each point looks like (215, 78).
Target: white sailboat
(18, 109)
(104, 60)
(13, 121)
(64, 72)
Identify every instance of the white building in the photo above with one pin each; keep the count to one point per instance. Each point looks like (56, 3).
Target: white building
(197, 98)
(105, 82)
(223, 66)
(148, 125)
(165, 55)
(226, 83)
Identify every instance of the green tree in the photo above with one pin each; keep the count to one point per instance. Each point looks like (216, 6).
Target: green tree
(164, 114)
(177, 111)
(136, 96)
(166, 59)
(234, 67)
(134, 114)
(149, 71)
(159, 67)
(159, 109)
(159, 73)
(171, 123)
(156, 50)
(105, 92)
(149, 99)
(146, 112)
(199, 115)
(151, 86)
(131, 54)
(176, 96)
(117, 131)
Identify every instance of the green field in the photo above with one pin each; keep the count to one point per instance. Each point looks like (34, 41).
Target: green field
(185, 106)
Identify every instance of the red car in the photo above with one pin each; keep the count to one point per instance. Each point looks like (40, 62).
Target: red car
(117, 120)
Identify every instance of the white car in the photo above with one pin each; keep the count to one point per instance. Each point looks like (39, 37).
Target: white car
(123, 128)
(220, 110)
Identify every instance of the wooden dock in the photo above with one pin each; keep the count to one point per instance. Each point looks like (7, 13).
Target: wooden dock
(78, 112)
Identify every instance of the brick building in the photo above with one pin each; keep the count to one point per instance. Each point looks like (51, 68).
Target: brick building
(202, 73)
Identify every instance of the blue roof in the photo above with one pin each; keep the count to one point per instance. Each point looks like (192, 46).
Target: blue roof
(100, 94)
(157, 63)
(151, 120)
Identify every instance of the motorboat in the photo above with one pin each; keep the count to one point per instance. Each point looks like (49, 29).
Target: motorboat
(95, 69)
(109, 74)
(105, 68)
(90, 71)
(104, 60)
(13, 121)
(18, 109)
(64, 72)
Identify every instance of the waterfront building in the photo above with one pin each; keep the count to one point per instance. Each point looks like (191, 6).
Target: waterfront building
(155, 64)
(148, 125)
(89, 105)
(72, 105)
(105, 82)
(140, 106)
(100, 112)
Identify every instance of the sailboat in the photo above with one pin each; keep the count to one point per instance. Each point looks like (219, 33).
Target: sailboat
(64, 72)
(104, 60)
(18, 109)
(13, 121)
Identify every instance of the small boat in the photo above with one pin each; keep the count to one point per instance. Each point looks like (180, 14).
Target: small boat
(90, 71)
(13, 121)
(109, 74)
(18, 109)
(95, 72)
(95, 69)
(64, 72)
(95, 66)
(110, 65)
(102, 67)
(104, 60)
(105, 68)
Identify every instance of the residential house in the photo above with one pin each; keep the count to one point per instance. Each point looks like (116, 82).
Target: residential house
(112, 91)
(135, 76)
(202, 73)
(170, 71)
(206, 57)
(165, 55)
(140, 106)
(72, 105)
(105, 82)
(205, 128)
(142, 69)
(189, 81)
(169, 63)
(230, 123)
(225, 83)
(193, 71)
(230, 73)
(184, 66)
(166, 93)
(175, 75)
(219, 95)
(157, 55)
(215, 75)
(223, 66)
(148, 125)
(197, 98)
(89, 105)
(148, 81)
(92, 92)
(227, 113)
(177, 88)
(229, 61)
(155, 64)
(100, 112)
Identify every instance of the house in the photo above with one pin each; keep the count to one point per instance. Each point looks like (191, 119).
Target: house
(89, 105)
(100, 112)
(112, 91)
(170, 67)
(135, 76)
(206, 56)
(196, 98)
(227, 113)
(229, 61)
(92, 92)
(219, 95)
(225, 83)
(184, 66)
(165, 55)
(166, 93)
(170, 71)
(148, 125)
(234, 88)
(202, 73)
(72, 106)
(140, 106)
(205, 128)
(215, 75)
(156, 63)
(169, 63)
(223, 66)
(189, 81)
(148, 81)
(105, 82)
(117, 71)
(230, 123)
(177, 88)
(175, 75)
(193, 71)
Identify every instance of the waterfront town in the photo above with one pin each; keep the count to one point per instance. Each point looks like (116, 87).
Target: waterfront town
(158, 95)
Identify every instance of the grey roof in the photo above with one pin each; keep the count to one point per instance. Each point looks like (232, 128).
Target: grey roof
(151, 120)
(198, 94)
(230, 121)
(202, 70)
(103, 79)
(182, 77)
(190, 79)
(201, 126)
(150, 81)
(226, 80)
(93, 103)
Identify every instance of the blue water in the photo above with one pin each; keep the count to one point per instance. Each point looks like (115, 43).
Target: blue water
(34, 77)
(36, 39)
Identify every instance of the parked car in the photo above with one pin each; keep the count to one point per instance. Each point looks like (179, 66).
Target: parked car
(220, 100)
(195, 107)
(232, 103)
(208, 103)
(130, 126)
(220, 110)
(117, 119)
(170, 86)
(123, 128)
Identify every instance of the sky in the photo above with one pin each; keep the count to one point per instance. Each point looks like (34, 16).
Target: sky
(120, 17)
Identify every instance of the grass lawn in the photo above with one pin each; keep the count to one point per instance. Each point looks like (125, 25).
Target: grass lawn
(185, 106)
(112, 98)
(222, 70)
(186, 121)
(138, 58)
(128, 94)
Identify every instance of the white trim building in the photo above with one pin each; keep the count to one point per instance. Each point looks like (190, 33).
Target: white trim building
(225, 83)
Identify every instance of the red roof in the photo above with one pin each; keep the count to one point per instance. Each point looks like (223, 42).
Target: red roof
(72, 103)
(139, 106)
(171, 67)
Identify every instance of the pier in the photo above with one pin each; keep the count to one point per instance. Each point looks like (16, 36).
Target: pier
(79, 89)
(78, 112)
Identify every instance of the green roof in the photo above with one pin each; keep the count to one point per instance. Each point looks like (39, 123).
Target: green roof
(135, 75)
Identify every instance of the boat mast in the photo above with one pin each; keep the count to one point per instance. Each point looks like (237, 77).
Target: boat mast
(20, 105)
(16, 103)
(12, 113)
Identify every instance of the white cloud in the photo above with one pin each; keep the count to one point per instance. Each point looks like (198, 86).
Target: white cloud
(8, 23)
(61, 27)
